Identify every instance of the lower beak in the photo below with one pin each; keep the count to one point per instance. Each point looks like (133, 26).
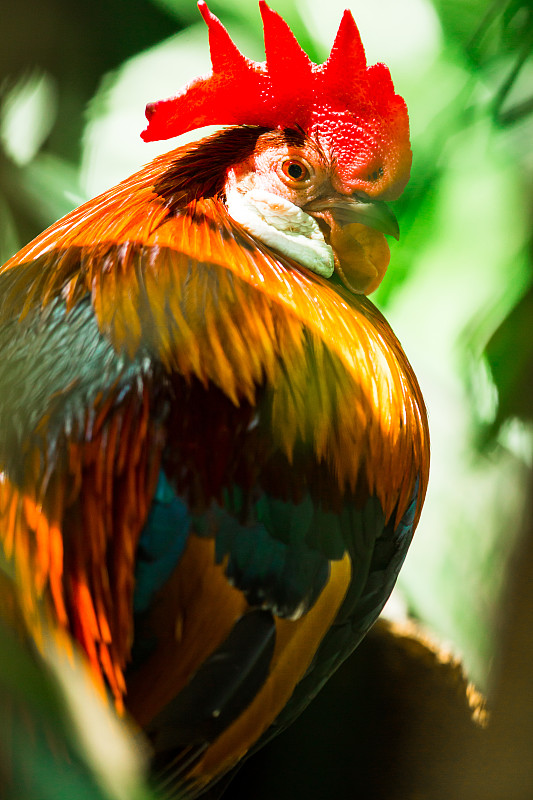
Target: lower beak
(346, 210)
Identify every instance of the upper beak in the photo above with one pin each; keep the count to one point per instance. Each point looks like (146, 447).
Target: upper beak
(372, 213)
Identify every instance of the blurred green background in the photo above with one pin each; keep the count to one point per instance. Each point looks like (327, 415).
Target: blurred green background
(74, 81)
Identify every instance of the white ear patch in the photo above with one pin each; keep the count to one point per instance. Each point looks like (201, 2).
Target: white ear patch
(284, 227)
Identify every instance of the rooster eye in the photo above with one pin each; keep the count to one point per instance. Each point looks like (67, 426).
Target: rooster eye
(295, 170)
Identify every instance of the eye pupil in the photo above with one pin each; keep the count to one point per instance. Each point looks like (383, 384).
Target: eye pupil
(295, 170)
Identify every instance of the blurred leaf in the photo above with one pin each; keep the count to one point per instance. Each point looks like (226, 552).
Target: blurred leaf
(50, 186)
(468, 22)
(27, 114)
(9, 242)
(516, 18)
(236, 15)
(512, 365)
(34, 196)
(404, 35)
(468, 234)
(59, 740)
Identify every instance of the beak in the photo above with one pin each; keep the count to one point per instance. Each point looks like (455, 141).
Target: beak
(346, 210)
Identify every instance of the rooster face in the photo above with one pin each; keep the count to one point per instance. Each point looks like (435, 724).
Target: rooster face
(286, 163)
(288, 194)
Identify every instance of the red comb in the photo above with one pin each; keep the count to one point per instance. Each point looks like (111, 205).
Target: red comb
(351, 108)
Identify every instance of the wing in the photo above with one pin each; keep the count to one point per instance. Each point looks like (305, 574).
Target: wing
(236, 438)
(80, 446)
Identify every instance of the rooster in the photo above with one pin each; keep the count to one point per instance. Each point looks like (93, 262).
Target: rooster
(213, 449)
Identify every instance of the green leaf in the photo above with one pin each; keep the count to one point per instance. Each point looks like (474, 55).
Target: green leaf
(509, 353)
(27, 113)
(59, 738)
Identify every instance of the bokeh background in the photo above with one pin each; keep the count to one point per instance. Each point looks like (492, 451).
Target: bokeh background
(74, 80)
